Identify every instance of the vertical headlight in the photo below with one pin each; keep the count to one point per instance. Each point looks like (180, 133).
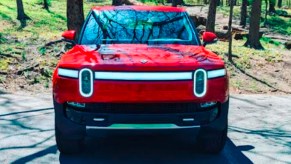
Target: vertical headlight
(200, 82)
(86, 82)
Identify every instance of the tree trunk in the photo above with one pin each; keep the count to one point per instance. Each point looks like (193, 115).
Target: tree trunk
(230, 31)
(272, 6)
(210, 25)
(21, 16)
(243, 13)
(117, 2)
(45, 4)
(175, 3)
(279, 3)
(75, 15)
(254, 32)
(266, 13)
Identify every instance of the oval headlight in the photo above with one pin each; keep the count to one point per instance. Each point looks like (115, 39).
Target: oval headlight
(200, 82)
(86, 82)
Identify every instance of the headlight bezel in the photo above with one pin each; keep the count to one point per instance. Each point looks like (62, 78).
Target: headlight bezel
(81, 82)
(204, 83)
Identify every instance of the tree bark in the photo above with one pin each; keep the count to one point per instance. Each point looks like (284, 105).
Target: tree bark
(210, 25)
(126, 2)
(21, 16)
(272, 6)
(254, 32)
(243, 13)
(279, 3)
(75, 15)
(45, 4)
(266, 13)
(117, 2)
(230, 31)
(175, 3)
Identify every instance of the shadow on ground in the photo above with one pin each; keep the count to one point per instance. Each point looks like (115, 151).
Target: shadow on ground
(152, 149)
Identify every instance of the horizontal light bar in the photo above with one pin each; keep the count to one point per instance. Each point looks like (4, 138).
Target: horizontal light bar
(143, 75)
(216, 73)
(68, 73)
(141, 126)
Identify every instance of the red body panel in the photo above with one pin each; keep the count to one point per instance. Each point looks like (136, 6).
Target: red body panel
(140, 92)
(127, 57)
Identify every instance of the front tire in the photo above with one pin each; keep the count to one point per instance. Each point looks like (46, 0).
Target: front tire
(212, 137)
(67, 146)
(212, 142)
(69, 135)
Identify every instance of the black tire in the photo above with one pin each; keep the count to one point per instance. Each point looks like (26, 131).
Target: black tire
(212, 138)
(69, 135)
(212, 142)
(67, 146)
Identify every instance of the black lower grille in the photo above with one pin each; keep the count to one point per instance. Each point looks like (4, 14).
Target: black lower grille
(150, 108)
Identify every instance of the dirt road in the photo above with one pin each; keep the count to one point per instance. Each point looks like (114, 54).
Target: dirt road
(259, 132)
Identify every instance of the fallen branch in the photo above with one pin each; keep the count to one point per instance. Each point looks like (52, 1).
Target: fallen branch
(9, 56)
(61, 52)
(53, 42)
(3, 73)
(278, 37)
(19, 72)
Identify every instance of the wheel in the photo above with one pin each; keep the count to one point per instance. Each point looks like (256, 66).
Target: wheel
(67, 146)
(212, 142)
(212, 138)
(69, 135)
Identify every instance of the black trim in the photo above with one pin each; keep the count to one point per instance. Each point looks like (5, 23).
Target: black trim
(83, 117)
(193, 28)
(83, 27)
(68, 77)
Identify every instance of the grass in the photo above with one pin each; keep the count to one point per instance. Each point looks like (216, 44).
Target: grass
(24, 44)
(247, 56)
(279, 24)
(51, 22)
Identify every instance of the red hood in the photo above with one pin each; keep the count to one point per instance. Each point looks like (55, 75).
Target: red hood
(141, 57)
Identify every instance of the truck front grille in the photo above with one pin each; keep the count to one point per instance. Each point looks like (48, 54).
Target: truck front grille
(142, 108)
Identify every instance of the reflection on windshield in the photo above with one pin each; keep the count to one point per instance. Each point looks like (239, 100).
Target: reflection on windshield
(131, 26)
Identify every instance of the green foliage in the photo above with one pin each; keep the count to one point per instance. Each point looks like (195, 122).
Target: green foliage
(271, 41)
(2, 38)
(42, 50)
(40, 2)
(23, 56)
(279, 24)
(151, 2)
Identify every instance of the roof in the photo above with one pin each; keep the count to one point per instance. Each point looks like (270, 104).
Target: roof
(140, 8)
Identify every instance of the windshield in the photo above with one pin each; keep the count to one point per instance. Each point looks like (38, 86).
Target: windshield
(131, 26)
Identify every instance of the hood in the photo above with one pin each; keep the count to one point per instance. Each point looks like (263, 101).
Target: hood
(141, 57)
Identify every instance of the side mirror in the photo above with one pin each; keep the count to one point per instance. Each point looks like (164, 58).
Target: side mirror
(69, 36)
(208, 38)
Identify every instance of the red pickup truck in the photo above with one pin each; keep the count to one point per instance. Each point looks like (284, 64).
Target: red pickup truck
(140, 68)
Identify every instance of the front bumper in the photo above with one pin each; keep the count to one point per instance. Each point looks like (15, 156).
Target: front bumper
(143, 116)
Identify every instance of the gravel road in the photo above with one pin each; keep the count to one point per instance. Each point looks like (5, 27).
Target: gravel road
(259, 132)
